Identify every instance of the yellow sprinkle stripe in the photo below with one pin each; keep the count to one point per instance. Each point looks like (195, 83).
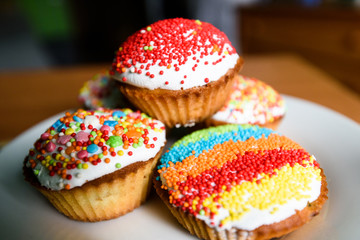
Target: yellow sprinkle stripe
(289, 183)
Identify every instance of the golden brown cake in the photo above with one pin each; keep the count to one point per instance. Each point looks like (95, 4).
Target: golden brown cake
(240, 182)
(177, 70)
(251, 102)
(96, 165)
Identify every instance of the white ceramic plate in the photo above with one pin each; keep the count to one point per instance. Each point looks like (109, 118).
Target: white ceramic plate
(331, 137)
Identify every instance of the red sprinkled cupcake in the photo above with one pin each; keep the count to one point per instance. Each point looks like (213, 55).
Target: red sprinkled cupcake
(179, 71)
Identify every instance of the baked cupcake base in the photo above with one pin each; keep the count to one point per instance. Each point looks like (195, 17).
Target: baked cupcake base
(104, 198)
(182, 107)
(200, 229)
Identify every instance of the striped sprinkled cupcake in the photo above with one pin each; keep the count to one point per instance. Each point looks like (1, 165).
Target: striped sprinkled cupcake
(240, 182)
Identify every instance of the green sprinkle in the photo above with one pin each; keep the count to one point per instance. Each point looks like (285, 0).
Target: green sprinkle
(72, 140)
(79, 166)
(135, 145)
(71, 124)
(52, 132)
(100, 155)
(77, 129)
(202, 212)
(93, 133)
(146, 48)
(114, 141)
(36, 172)
(148, 29)
(151, 48)
(118, 165)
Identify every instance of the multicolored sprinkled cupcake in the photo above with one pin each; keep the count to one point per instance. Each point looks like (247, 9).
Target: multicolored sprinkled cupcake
(96, 165)
(251, 102)
(240, 182)
(177, 70)
(101, 91)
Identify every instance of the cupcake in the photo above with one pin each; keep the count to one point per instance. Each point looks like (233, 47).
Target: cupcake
(101, 92)
(179, 71)
(251, 102)
(240, 182)
(96, 165)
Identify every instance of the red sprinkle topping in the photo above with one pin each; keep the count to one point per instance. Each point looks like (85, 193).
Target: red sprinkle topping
(170, 40)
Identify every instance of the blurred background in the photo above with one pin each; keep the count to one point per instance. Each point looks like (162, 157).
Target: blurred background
(56, 33)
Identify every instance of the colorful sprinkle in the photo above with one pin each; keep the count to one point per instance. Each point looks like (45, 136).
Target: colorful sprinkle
(166, 43)
(102, 136)
(251, 102)
(225, 174)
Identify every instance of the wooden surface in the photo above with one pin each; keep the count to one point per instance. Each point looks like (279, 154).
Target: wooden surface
(28, 97)
(327, 36)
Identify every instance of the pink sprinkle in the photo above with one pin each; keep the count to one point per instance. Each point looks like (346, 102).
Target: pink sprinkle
(105, 128)
(82, 154)
(82, 136)
(45, 136)
(50, 147)
(64, 139)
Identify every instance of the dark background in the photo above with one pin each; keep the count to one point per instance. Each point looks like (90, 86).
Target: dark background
(56, 33)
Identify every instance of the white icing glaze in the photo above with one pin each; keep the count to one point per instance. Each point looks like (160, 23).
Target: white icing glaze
(256, 217)
(174, 54)
(81, 176)
(101, 91)
(251, 102)
(193, 78)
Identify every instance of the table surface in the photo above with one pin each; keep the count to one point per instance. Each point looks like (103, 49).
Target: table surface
(30, 96)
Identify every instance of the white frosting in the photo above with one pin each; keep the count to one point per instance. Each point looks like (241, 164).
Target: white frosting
(255, 217)
(81, 176)
(247, 116)
(174, 78)
(101, 91)
(251, 102)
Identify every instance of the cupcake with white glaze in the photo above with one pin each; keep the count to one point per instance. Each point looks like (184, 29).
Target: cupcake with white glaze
(240, 182)
(251, 102)
(177, 70)
(96, 165)
(101, 91)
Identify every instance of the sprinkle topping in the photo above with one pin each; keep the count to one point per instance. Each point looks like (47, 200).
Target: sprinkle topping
(173, 46)
(100, 91)
(232, 173)
(85, 145)
(251, 102)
